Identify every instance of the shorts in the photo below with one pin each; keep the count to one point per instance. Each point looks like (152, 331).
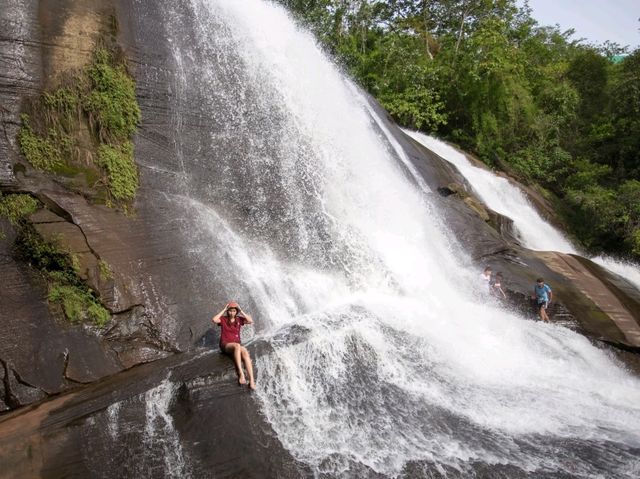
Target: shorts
(543, 304)
(223, 346)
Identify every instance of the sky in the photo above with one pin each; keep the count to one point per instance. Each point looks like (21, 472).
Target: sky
(594, 20)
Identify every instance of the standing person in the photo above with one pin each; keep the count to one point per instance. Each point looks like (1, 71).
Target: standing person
(230, 320)
(542, 294)
(496, 288)
(485, 278)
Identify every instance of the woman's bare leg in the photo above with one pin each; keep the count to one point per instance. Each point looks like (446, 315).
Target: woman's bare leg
(249, 367)
(236, 351)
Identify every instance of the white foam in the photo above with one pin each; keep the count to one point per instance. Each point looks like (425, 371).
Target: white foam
(160, 431)
(113, 413)
(628, 270)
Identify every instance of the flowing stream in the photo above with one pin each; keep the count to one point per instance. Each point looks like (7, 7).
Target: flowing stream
(383, 356)
(504, 197)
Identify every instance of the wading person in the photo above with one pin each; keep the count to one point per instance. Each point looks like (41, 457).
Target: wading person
(485, 279)
(542, 295)
(496, 287)
(230, 320)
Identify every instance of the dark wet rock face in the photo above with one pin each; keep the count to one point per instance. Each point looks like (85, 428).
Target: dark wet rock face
(38, 351)
(145, 253)
(183, 416)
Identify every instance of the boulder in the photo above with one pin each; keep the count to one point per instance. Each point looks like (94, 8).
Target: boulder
(180, 416)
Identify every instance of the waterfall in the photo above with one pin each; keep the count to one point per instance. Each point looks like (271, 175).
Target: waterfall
(383, 356)
(160, 433)
(113, 413)
(628, 270)
(504, 197)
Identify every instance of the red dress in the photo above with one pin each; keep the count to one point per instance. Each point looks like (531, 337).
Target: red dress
(230, 332)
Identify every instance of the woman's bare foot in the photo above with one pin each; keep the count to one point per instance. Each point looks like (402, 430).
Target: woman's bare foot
(252, 385)
(242, 380)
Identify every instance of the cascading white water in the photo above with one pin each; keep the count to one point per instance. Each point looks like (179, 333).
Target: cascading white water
(628, 270)
(503, 197)
(160, 433)
(507, 199)
(382, 354)
(113, 412)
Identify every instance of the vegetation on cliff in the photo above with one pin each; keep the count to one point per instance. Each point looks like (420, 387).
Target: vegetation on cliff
(525, 98)
(78, 302)
(58, 267)
(84, 127)
(16, 207)
(80, 131)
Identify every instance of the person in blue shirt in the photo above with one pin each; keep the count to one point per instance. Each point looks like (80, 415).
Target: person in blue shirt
(542, 294)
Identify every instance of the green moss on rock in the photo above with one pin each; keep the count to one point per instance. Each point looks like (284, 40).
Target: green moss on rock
(16, 207)
(111, 101)
(122, 175)
(105, 270)
(84, 128)
(65, 100)
(43, 152)
(78, 302)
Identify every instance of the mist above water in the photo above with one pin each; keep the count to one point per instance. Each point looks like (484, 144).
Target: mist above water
(385, 348)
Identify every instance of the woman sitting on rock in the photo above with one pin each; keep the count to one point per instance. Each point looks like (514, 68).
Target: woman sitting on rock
(230, 320)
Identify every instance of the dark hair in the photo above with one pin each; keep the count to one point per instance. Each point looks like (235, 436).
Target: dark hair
(499, 273)
(488, 268)
(539, 280)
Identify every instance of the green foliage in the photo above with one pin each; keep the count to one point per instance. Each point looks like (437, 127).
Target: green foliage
(605, 216)
(78, 304)
(105, 270)
(98, 313)
(44, 153)
(103, 97)
(60, 269)
(15, 207)
(558, 101)
(596, 215)
(623, 149)
(62, 104)
(111, 102)
(635, 242)
(588, 72)
(585, 175)
(122, 175)
(42, 255)
(415, 107)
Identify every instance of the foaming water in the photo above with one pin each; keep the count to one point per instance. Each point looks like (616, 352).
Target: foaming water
(626, 269)
(507, 199)
(160, 433)
(113, 413)
(503, 197)
(382, 353)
